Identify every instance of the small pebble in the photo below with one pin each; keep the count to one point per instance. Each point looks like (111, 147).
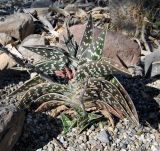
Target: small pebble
(103, 136)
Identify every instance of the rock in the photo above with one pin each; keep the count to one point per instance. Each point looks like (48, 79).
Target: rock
(103, 136)
(42, 3)
(34, 39)
(99, 147)
(38, 11)
(18, 25)
(5, 39)
(50, 148)
(39, 149)
(92, 142)
(45, 147)
(6, 61)
(11, 123)
(152, 64)
(115, 44)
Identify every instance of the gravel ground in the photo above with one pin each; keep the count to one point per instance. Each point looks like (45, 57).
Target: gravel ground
(42, 132)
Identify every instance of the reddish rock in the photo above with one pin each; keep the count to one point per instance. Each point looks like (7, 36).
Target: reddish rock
(115, 44)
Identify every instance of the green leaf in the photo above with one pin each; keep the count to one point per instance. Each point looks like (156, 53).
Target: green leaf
(128, 103)
(67, 123)
(109, 94)
(50, 52)
(113, 97)
(71, 44)
(54, 96)
(92, 119)
(87, 38)
(49, 66)
(27, 85)
(41, 89)
(101, 68)
(95, 50)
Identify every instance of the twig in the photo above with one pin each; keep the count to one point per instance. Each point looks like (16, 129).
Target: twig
(143, 36)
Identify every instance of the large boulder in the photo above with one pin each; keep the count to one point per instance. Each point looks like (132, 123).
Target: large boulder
(18, 25)
(11, 124)
(116, 44)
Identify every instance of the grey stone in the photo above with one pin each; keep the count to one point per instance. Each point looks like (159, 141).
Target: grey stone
(94, 149)
(11, 124)
(83, 146)
(84, 138)
(34, 39)
(18, 25)
(89, 132)
(80, 141)
(99, 147)
(5, 39)
(65, 144)
(45, 147)
(103, 136)
(92, 142)
(50, 148)
(92, 128)
(124, 146)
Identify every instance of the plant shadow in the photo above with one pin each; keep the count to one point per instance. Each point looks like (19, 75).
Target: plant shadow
(39, 129)
(144, 99)
(10, 78)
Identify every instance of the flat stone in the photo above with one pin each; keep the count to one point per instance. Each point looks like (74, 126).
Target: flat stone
(115, 44)
(18, 25)
(11, 124)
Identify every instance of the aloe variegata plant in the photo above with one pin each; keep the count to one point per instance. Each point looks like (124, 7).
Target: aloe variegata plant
(78, 63)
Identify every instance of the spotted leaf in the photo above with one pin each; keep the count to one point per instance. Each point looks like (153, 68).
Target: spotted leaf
(49, 66)
(87, 37)
(129, 103)
(99, 68)
(27, 85)
(54, 96)
(110, 94)
(121, 103)
(50, 52)
(41, 89)
(94, 51)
